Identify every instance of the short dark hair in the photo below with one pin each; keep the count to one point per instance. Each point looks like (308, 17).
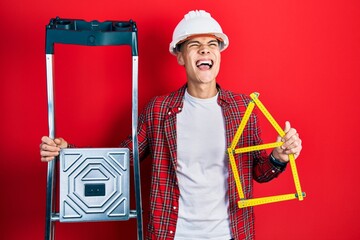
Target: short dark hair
(178, 47)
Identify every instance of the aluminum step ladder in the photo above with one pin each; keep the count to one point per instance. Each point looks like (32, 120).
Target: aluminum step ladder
(93, 33)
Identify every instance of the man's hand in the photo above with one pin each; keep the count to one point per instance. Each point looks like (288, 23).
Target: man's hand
(50, 148)
(292, 144)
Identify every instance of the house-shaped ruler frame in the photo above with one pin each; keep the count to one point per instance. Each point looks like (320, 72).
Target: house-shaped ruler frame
(233, 150)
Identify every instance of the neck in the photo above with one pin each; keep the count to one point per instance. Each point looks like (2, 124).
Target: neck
(202, 91)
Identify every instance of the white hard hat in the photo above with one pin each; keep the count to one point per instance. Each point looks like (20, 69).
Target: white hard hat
(197, 23)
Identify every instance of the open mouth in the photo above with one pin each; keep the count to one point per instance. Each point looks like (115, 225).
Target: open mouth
(204, 64)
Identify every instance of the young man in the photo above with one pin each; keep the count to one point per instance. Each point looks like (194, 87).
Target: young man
(193, 194)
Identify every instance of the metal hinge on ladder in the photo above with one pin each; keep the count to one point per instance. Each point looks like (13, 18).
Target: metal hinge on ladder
(92, 172)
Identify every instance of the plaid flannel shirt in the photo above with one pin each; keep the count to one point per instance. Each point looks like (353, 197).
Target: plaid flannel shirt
(157, 137)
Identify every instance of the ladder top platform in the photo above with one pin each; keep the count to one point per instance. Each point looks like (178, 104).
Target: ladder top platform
(93, 33)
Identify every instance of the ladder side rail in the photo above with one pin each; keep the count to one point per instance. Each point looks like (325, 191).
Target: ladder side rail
(50, 186)
(136, 159)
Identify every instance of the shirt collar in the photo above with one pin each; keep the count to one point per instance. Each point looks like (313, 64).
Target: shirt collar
(177, 97)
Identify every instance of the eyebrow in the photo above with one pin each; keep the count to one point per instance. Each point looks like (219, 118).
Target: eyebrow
(196, 41)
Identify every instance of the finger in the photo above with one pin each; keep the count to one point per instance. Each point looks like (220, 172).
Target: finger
(58, 141)
(292, 140)
(47, 159)
(291, 136)
(293, 144)
(294, 148)
(48, 141)
(294, 151)
(61, 143)
(49, 148)
(44, 153)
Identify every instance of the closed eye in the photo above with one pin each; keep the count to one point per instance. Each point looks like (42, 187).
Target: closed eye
(212, 44)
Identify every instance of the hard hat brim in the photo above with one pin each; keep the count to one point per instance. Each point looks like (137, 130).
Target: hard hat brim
(219, 36)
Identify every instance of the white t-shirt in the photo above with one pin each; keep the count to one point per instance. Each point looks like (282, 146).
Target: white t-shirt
(202, 171)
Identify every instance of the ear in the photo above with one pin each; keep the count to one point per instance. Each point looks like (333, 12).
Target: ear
(180, 58)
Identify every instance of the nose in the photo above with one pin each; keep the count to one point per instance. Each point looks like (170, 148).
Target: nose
(204, 49)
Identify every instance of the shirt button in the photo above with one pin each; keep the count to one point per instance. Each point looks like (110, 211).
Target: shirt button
(273, 171)
(179, 108)
(169, 113)
(174, 208)
(171, 232)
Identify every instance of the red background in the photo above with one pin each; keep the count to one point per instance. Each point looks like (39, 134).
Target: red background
(302, 56)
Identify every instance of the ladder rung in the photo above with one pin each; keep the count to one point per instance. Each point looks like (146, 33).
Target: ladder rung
(133, 214)
(55, 217)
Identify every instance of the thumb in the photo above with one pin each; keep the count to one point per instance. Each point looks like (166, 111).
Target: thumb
(57, 141)
(286, 129)
(60, 142)
(287, 126)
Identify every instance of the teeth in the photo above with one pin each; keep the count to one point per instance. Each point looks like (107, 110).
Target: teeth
(204, 62)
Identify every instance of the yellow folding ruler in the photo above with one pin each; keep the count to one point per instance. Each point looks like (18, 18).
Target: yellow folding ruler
(233, 150)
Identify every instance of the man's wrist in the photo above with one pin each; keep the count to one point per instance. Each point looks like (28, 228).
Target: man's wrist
(276, 162)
